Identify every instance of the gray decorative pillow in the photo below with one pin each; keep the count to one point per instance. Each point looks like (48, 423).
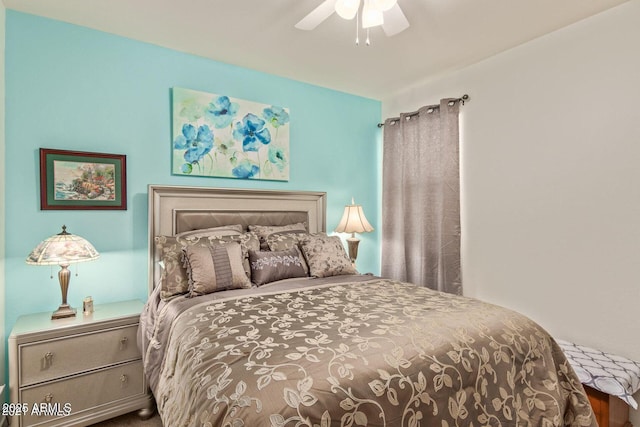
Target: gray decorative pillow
(226, 230)
(284, 240)
(174, 280)
(269, 266)
(248, 242)
(326, 256)
(215, 268)
(262, 231)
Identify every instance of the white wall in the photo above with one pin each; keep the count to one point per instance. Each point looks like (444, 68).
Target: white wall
(551, 178)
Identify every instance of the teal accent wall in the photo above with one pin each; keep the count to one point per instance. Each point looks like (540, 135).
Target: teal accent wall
(73, 88)
(2, 203)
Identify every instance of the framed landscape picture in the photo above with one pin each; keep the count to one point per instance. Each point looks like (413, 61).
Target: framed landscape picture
(82, 180)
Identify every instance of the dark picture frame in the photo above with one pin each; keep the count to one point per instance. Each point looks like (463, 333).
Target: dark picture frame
(77, 180)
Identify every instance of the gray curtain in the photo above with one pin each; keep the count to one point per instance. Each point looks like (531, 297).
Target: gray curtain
(421, 198)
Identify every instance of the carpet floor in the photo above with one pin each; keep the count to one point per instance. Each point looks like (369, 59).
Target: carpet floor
(131, 420)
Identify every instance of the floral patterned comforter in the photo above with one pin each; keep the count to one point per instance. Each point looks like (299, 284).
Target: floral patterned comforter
(354, 351)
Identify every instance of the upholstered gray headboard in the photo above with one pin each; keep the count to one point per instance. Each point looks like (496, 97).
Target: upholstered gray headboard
(174, 209)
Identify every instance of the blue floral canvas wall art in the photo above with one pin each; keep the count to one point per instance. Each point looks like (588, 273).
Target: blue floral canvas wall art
(219, 136)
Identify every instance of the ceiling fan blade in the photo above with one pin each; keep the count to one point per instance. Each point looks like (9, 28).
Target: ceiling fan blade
(394, 21)
(317, 15)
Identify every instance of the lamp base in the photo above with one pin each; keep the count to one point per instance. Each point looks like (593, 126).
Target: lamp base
(63, 311)
(353, 243)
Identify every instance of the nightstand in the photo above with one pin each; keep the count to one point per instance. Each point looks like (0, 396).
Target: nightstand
(77, 371)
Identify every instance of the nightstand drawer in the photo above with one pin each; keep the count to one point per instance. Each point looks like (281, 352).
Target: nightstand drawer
(46, 360)
(85, 392)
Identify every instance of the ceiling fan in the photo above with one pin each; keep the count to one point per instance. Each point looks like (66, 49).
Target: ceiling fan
(386, 13)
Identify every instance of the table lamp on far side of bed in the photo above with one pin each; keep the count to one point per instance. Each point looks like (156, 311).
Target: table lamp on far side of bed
(63, 249)
(353, 221)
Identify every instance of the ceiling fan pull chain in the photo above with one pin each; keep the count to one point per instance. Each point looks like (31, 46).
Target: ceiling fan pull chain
(357, 32)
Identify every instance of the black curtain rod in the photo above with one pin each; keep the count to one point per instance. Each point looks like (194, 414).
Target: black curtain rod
(462, 100)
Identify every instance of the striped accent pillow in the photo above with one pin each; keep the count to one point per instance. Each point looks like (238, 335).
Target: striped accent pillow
(215, 268)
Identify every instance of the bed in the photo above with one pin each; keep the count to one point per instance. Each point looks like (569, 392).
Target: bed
(318, 344)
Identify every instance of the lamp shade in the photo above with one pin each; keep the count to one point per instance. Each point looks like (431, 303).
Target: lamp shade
(353, 220)
(347, 9)
(371, 17)
(383, 5)
(63, 249)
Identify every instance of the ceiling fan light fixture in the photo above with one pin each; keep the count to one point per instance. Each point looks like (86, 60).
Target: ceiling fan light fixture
(393, 22)
(371, 17)
(383, 5)
(347, 9)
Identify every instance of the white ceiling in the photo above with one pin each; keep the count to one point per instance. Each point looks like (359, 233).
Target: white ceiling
(259, 34)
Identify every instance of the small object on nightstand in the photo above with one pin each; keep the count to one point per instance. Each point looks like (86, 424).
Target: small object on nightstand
(87, 306)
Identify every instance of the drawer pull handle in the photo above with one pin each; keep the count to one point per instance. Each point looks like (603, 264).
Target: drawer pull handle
(48, 398)
(48, 358)
(123, 380)
(123, 343)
